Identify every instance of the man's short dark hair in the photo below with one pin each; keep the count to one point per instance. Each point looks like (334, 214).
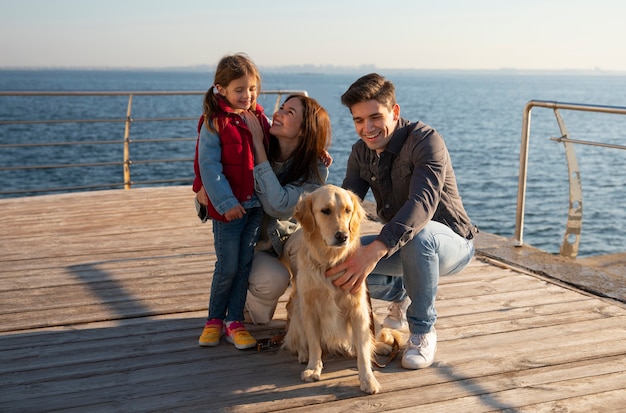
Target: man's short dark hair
(368, 87)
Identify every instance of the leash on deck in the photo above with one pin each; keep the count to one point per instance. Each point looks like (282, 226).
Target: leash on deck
(271, 343)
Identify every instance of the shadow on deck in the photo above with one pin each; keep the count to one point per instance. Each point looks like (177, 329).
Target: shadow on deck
(103, 296)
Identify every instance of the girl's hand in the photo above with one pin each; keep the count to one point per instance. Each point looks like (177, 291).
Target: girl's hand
(202, 196)
(235, 213)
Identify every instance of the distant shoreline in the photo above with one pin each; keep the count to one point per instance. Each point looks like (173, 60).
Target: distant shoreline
(312, 69)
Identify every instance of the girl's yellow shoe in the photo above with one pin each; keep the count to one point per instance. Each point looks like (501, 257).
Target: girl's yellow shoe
(237, 334)
(212, 333)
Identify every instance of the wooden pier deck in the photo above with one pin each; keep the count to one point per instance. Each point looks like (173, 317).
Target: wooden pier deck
(103, 296)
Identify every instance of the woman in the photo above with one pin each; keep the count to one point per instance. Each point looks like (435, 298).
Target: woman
(296, 162)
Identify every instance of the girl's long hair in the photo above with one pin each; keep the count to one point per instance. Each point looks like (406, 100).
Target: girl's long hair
(228, 69)
(315, 134)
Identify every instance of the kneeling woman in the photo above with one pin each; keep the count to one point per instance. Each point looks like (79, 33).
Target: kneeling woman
(297, 162)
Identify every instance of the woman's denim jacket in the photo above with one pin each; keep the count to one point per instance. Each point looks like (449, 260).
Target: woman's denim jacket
(279, 203)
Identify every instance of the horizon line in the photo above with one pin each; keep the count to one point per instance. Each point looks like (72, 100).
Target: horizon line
(310, 68)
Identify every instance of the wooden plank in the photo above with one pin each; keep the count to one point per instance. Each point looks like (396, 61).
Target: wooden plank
(594, 279)
(102, 312)
(453, 363)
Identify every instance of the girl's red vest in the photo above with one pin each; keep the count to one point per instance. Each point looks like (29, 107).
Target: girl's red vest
(237, 153)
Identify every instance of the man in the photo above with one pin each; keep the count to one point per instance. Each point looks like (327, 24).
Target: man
(426, 231)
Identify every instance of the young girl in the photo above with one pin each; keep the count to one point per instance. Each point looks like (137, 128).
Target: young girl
(225, 167)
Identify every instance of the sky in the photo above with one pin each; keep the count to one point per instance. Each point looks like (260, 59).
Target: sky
(388, 34)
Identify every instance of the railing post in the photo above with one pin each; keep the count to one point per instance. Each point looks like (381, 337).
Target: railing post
(127, 181)
(523, 171)
(573, 228)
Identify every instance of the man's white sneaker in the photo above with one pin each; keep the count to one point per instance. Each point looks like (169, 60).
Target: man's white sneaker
(420, 350)
(396, 319)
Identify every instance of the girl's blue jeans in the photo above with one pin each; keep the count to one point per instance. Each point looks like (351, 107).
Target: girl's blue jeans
(414, 270)
(234, 243)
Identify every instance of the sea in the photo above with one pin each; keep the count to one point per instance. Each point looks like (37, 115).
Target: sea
(479, 114)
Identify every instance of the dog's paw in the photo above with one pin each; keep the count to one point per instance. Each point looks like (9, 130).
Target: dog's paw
(310, 375)
(370, 385)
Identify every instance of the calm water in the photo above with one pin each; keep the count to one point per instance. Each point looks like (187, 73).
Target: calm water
(478, 114)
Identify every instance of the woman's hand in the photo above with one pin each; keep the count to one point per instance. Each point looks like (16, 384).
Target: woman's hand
(258, 137)
(326, 158)
(255, 127)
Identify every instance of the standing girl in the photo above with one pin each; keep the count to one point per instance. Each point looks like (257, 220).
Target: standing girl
(225, 185)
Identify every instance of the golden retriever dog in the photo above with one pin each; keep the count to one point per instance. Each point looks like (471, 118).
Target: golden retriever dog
(323, 318)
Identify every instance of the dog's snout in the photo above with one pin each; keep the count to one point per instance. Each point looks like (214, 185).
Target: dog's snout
(341, 237)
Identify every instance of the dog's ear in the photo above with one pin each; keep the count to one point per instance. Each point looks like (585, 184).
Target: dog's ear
(358, 213)
(304, 213)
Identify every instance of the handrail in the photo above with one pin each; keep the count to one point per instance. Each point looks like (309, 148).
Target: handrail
(128, 120)
(574, 223)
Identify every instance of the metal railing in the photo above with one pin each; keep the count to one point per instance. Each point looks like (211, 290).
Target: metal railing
(126, 142)
(571, 239)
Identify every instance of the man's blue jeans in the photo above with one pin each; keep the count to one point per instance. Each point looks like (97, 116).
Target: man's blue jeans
(415, 269)
(234, 243)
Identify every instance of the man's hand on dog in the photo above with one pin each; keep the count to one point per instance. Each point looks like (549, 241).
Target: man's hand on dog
(353, 271)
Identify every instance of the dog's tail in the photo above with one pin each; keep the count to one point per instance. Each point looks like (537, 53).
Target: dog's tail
(387, 343)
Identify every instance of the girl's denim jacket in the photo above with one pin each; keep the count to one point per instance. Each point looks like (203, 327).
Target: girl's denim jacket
(219, 190)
